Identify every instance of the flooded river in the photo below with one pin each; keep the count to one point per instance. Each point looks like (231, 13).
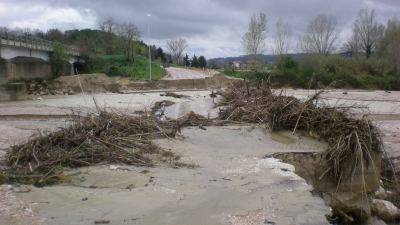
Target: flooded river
(235, 183)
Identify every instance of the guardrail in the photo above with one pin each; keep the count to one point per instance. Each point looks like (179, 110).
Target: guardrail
(31, 42)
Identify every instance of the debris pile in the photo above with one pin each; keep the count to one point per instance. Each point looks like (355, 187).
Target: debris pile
(41, 87)
(391, 184)
(174, 95)
(193, 119)
(348, 171)
(350, 139)
(159, 105)
(91, 140)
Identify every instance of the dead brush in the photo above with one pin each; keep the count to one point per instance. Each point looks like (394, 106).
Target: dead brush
(351, 141)
(91, 140)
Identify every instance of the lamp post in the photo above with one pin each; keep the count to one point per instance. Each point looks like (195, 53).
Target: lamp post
(148, 30)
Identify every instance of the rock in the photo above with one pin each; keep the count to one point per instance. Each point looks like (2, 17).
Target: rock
(380, 193)
(101, 222)
(6, 187)
(350, 206)
(113, 167)
(385, 210)
(59, 92)
(21, 189)
(376, 221)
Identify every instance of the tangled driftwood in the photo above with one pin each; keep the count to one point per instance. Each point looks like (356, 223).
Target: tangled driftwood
(94, 139)
(350, 140)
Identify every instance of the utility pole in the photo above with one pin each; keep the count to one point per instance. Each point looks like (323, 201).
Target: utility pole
(148, 29)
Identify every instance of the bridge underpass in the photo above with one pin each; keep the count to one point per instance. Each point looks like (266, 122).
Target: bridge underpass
(24, 68)
(23, 58)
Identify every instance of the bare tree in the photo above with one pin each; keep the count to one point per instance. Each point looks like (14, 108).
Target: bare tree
(366, 29)
(108, 25)
(253, 40)
(176, 47)
(388, 46)
(321, 35)
(353, 45)
(130, 33)
(282, 38)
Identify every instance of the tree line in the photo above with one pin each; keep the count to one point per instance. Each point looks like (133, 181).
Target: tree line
(177, 47)
(321, 37)
(114, 38)
(370, 55)
(197, 62)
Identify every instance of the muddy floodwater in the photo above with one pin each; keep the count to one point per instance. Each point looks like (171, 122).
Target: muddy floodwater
(234, 184)
(236, 181)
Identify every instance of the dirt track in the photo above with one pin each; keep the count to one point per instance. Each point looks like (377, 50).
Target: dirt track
(182, 73)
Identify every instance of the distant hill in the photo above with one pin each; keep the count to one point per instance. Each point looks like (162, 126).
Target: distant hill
(93, 41)
(269, 59)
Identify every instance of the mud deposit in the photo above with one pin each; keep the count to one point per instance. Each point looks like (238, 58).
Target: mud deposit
(234, 184)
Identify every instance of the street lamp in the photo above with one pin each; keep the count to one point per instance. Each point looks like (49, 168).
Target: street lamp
(148, 30)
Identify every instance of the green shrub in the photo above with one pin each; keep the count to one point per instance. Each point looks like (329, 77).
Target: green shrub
(118, 65)
(234, 73)
(286, 70)
(58, 60)
(316, 71)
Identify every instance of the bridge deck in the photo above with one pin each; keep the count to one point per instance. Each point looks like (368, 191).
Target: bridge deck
(35, 44)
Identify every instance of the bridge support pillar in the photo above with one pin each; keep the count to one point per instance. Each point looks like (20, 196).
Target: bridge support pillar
(23, 68)
(6, 70)
(72, 72)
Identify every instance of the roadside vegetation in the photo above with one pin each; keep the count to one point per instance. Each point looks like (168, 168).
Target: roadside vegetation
(368, 60)
(120, 65)
(335, 71)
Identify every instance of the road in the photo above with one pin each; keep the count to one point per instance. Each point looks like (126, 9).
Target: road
(175, 73)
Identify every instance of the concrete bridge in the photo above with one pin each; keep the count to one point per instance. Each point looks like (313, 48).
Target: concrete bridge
(26, 57)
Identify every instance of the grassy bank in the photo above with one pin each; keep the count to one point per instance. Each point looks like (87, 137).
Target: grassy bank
(118, 65)
(333, 71)
(235, 73)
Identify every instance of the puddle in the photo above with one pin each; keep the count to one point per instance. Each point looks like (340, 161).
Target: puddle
(282, 137)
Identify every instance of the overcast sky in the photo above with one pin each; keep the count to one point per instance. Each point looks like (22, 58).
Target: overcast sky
(212, 27)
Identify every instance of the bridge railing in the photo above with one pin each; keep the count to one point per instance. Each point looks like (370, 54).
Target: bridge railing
(30, 42)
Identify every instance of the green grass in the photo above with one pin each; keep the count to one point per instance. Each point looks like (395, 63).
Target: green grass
(118, 65)
(316, 71)
(234, 73)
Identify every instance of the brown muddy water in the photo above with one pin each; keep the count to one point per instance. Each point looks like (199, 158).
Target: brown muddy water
(234, 184)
